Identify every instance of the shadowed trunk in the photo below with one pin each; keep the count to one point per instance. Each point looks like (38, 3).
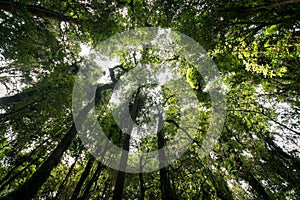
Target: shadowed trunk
(62, 185)
(142, 187)
(96, 174)
(165, 186)
(83, 177)
(221, 186)
(247, 175)
(13, 177)
(119, 185)
(30, 188)
(20, 161)
(16, 98)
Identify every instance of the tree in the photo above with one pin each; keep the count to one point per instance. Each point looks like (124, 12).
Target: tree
(255, 45)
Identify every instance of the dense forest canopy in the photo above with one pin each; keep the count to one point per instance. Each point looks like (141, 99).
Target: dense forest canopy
(254, 44)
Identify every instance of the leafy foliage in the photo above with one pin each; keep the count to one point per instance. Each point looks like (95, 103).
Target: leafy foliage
(255, 45)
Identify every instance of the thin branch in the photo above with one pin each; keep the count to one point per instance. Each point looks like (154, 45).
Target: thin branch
(188, 135)
(35, 10)
(270, 118)
(112, 72)
(242, 9)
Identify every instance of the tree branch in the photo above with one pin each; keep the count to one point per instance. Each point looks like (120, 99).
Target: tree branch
(270, 118)
(35, 10)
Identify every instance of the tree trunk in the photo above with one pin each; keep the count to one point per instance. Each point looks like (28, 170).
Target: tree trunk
(275, 149)
(99, 168)
(16, 98)
(222, 189)
(256, 185)
(142, 186)
(96, 174)
(119, 185)
(165, 186)
(83, 177)
(13, 177)
(30, 188)
(62, 185)
(20, 161)
(247, 175)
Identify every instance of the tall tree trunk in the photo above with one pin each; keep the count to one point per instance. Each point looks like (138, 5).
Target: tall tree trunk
(99, 168)
(30, 188)
(165, 186)
(247, 175)
(6, 101)
(256, 185)
(142, 186)
(13, 177)
(83, 177)
(222, 189)
(119, 185)
(18, 163)
(95, 176)
(62, 185)
(275, 149)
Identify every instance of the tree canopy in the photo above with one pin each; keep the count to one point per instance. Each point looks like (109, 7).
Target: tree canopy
(255, 46)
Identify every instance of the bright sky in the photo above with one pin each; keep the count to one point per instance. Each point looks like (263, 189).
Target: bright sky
(2, 90)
